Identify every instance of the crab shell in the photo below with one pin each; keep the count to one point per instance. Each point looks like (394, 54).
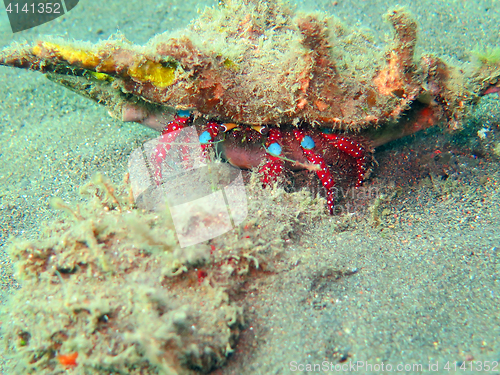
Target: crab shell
(256, 62)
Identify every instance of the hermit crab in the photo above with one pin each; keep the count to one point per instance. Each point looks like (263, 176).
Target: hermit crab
(273, 89)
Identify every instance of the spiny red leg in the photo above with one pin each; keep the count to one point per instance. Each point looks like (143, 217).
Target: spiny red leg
(273, 168)
(353, 149)
(168, 135)
(207, 137)
(307, 144)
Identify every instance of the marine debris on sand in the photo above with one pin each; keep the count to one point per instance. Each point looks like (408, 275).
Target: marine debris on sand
(108, 289)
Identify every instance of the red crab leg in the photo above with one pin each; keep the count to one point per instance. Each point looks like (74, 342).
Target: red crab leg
(307, 144)
(210, 131)
(353, 149)
(168, 135)
(274, 165)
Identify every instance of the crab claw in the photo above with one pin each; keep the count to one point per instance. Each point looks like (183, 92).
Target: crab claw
(168, 135)
(307, 144)
(273, 167)
(353, 149)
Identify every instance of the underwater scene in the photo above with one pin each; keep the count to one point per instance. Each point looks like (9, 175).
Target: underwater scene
(249, 187)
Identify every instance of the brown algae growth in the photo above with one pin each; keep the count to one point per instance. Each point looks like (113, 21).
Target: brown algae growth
(107, 288)
(259, 62)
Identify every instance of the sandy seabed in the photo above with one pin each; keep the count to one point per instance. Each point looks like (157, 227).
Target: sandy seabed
(415, 282)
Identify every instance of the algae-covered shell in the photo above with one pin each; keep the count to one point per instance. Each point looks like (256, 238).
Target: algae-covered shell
(255, 63)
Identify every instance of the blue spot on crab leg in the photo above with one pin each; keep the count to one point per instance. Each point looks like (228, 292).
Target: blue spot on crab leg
(326, 130)
(307, 143)
(184, 113)
(205, 137)
(274, 149)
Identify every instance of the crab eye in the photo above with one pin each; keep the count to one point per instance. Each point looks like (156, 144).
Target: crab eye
(307, 143)
(262, 129)
(274, 149)
(228, 126)
(205, 137)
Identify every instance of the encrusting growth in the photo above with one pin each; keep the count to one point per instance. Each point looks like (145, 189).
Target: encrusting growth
(255, 62)
(107, 289)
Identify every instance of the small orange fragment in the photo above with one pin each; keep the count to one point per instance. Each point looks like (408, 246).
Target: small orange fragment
(302, 103)
(68, 360)
(321, 105)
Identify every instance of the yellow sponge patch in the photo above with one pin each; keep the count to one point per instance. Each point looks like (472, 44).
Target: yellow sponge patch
(102, 76)
(73, 56)
(161, 75)
(158, 74)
